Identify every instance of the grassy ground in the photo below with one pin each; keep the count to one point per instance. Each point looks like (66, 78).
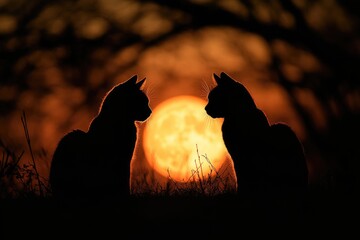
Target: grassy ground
(170, 217)
(27, 210)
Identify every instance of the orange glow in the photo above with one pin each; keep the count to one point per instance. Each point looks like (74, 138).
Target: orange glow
(177, 128)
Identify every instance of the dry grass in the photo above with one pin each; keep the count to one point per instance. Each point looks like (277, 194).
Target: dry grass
(213, 183)
(19, 178)
(172, 203)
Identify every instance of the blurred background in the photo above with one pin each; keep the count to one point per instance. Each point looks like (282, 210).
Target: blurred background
(299, 59)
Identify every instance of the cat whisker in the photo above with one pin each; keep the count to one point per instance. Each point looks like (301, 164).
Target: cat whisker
(205, 89)
(208, 121)
(150, 90)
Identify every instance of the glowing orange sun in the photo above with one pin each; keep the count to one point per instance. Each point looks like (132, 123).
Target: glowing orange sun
(176, 132)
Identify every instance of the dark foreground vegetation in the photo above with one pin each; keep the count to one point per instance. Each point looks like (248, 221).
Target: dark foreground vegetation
(173, 216)
(27, 209)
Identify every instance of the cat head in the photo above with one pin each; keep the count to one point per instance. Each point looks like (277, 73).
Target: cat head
(228, 97)
(127, 101)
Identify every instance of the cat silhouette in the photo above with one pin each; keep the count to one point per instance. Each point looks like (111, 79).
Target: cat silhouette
(95, 165)
(268, 159)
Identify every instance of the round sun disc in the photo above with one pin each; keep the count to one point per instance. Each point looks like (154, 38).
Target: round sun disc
(180, 139)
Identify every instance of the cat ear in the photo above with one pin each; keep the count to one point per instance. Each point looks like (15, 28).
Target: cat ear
(217, 79)
(132, 80)
(140, 83)
(226, 77)
(223, 79)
